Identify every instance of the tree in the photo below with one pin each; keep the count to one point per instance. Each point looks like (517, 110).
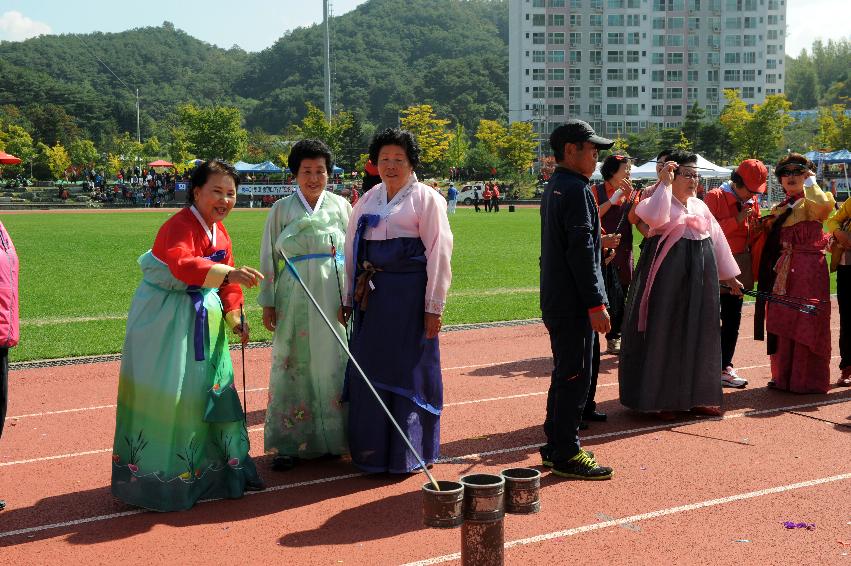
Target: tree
(519, 147)
(430, 131)
(151, 149)
(491, 135)
(16, 140)
(178, 149)
(644, 145)
(56, 159)
(802, 83)
(459, 145)
(834, 128)
(693, 124)
(317, 126)
(214, 131)
(83, 153)
(758, 132)
(684, 144)
(128, 150)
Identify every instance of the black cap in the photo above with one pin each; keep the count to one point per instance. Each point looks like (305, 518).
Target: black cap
(574, 131)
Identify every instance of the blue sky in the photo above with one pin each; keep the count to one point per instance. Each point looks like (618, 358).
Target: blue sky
(252, 24)
(257, 24)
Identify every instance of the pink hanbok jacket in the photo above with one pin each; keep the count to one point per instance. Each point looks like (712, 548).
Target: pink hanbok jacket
(9, 324)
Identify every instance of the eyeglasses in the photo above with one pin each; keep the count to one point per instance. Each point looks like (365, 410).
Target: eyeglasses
(689, 176)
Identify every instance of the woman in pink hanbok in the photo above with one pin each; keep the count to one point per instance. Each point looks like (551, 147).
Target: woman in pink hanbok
(671, 340)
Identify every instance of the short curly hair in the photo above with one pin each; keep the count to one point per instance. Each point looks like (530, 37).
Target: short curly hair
(396, 136)
(203, 172)
(309, 149)
(611, 165)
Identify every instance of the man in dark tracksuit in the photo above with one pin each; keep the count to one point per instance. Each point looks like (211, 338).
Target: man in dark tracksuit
(573, 296)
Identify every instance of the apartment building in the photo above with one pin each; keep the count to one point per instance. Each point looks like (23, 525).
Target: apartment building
(624, 65)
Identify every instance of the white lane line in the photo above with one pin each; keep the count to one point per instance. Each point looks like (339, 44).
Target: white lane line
(646, 516)
(667, 425)
(254, 390)
(98, 518)
(449, 460)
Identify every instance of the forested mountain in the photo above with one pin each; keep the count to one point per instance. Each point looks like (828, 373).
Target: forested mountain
(387, 54)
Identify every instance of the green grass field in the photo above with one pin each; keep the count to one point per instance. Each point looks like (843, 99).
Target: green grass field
(79, 273)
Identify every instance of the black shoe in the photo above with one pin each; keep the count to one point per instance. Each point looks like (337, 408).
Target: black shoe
(547, 459)
(2, 504)
(582, 467)
(583, 425)
(595, 416)
(255, 485)
(284, 463)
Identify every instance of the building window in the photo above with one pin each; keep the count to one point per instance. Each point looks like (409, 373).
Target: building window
(575, 20)
(750, 40)
(657, 58)
(657, 76)
(538, 38)
(675, 23)
(596, 38)
(595, 75)
(595, 93)
(657, 93)
(555, 56)
(675, 58)
(574, 74)
(614, 91)
(693, 23)
(748, 92)
(615, 39)
(657, 110)
(749, 57)
(673, 93)
(633, 21)
(575, 57)
(614, 74)
(712, 75)
(693, 58)
(674, 110)
(575, 38)
(537, 74)
(596, 57)
(632, 74)
(693, 76)
(616, 20)
(631, 92)
(658, 23)
(675, 40)
(556, 109)
(632, 109)
(555, 74)
(614, 56)
(633, 38)
(538, 56)
(614, 109)
(538, 92)
(556, 20)
(555, 92)
(539, 4)
(632, 56)
(574, 92)
(732, 40)
(595, 20)
(731, 58)
(733, 75)
(539, 20)
(555, 38)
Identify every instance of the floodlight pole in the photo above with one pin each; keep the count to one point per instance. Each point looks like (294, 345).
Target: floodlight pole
(327, 46)
(138, 130)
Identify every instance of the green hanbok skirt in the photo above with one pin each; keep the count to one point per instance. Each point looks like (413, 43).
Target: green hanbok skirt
(179, 434)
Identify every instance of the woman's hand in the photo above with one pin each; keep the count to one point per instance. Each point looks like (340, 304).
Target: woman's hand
(609, 241)
(433, 322)
(270, 318)
(735, 286)
(626, 187)
(245, 276)
(666, 175)
(243, 331)
(344, 314)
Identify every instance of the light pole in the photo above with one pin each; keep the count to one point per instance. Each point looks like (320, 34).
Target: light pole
(327, 47)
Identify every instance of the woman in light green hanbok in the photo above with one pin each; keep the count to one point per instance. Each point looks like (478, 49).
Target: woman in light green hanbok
(305, 418)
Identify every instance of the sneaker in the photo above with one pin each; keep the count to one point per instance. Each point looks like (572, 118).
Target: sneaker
(3, 503)
(729, 378)
(547, 461)
(845, 378)
(582, 467)
(614, 346)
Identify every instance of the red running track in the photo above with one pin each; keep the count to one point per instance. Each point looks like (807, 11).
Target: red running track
(684, 492)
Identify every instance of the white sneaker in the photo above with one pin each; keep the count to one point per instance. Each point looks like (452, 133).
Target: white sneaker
(613, 346)
(729, 378)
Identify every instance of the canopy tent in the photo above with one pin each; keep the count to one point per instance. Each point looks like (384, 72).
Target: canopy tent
(243, 167)
(337, 170)
(160, 163)
(706, 168)
(265, 167)
(9, 159)
(829, 157)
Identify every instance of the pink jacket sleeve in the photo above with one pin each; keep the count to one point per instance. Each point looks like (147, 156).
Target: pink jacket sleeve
(436, 236)
(655, 210)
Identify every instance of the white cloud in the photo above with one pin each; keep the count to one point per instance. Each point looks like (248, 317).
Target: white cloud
(14, 26)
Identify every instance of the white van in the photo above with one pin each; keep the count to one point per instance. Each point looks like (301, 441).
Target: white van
(465, 195)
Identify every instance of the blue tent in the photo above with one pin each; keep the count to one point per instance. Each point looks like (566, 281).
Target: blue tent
(337, 170)
(830, 157)
(267, 167)
(243, 167)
